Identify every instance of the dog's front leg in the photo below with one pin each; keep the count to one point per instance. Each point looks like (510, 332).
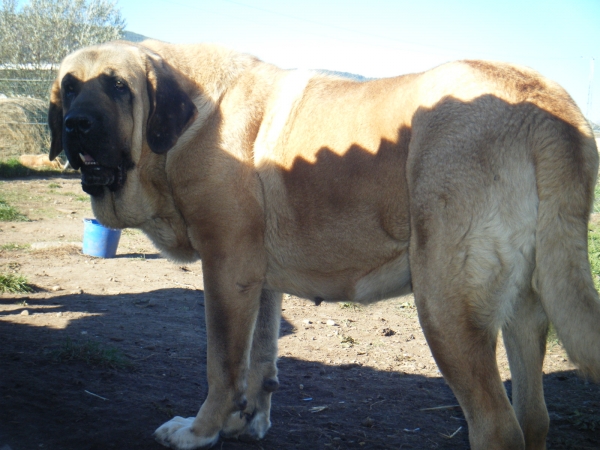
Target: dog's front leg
(262, 379)
(232, 299)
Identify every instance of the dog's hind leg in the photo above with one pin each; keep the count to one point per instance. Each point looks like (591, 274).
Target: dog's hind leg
(466, 355)
(525, 340)
(254, 421)
(466, 277)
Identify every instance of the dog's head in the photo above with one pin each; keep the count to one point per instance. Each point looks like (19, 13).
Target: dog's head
(110, 101)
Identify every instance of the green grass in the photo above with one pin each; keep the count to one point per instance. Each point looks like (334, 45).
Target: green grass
(594, 252)
(91, 353)
(12, 168)
(14, 284)
(11, 246)
(72, 195)
(350, 305)
(81, 198)
(594, 257)
(597, 198)
(552, 336)
(348, 341)
(9, 213)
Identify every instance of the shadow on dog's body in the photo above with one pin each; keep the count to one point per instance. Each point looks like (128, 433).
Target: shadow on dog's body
(470, 185)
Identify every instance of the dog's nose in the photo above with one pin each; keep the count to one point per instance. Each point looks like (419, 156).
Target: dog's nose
(78, 123)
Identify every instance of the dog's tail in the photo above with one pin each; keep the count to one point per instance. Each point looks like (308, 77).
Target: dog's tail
(566, 161)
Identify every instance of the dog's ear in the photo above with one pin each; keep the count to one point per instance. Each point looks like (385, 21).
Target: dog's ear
(55, 120)
(171, 109)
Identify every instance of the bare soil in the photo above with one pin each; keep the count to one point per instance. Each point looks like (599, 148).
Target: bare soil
(106, 350)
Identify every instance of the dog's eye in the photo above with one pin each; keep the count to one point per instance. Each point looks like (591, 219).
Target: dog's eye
(69, 89)
(120, 86)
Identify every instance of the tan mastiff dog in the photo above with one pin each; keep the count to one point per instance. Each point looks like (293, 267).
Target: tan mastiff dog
(470, 185)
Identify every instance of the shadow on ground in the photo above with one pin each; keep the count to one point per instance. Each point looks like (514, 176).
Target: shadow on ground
(52, 401)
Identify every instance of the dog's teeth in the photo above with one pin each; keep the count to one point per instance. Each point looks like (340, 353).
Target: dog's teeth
(87, 160)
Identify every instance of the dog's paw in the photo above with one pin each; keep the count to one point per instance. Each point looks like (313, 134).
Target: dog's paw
(246, 427)
(177, 434)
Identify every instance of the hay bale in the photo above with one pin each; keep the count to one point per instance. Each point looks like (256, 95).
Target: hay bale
(23, 128)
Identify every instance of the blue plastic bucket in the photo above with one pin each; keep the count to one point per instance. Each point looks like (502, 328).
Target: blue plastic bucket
(98, 240)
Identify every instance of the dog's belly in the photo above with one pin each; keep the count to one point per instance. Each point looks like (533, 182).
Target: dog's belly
(355, 284)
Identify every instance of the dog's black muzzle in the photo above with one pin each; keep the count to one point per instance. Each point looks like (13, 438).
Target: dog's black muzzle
(89, 149)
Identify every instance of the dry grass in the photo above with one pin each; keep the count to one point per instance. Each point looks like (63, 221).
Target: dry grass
(23, 128)
(58, 250)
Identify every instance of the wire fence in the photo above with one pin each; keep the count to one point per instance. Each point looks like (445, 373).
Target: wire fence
(24, 99)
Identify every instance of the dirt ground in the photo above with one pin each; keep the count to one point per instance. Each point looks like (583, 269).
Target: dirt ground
(106, 350)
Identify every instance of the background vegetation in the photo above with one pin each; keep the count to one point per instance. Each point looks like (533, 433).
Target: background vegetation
(34, 38)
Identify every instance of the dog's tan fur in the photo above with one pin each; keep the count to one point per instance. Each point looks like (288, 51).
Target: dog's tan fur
(37, 161)
(470, 185)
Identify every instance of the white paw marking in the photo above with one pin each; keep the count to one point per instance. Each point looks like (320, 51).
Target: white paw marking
(177, 434)
(259, 425)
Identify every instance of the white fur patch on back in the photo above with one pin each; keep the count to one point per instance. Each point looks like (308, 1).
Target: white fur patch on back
(288, 95)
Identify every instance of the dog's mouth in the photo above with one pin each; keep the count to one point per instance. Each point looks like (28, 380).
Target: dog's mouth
(94, 176)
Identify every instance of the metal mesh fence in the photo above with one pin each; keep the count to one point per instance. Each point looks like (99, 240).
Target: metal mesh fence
(24, 98)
